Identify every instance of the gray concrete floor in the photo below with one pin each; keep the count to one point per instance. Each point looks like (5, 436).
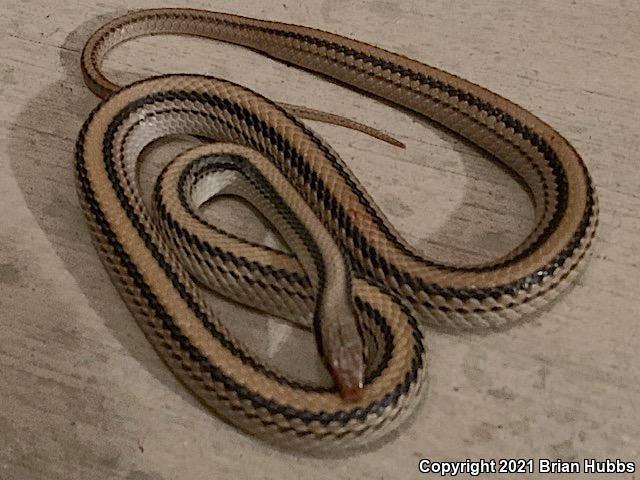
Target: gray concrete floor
(82, 393)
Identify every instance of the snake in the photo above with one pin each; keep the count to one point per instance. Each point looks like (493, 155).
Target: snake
(345, 272)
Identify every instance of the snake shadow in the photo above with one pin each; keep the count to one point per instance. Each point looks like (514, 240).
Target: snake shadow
(47, 183)
(41, 150)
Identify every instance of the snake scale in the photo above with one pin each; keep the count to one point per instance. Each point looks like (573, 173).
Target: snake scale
(349, 276)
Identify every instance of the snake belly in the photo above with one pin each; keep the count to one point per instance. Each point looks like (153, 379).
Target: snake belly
(391, 285)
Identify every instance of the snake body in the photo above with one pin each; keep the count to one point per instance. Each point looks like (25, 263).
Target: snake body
(351, 277)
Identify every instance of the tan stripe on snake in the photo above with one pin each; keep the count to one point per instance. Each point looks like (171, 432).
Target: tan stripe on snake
(352, 278)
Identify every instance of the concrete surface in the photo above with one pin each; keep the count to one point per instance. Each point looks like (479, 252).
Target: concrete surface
(83, 395)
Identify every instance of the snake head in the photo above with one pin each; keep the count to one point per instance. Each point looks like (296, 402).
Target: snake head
(343, 348)
(347, 368)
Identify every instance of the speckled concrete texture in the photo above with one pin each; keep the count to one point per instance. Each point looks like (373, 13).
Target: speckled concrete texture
(82, 393)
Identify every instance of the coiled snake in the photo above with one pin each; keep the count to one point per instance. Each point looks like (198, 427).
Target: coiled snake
(352, 279)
